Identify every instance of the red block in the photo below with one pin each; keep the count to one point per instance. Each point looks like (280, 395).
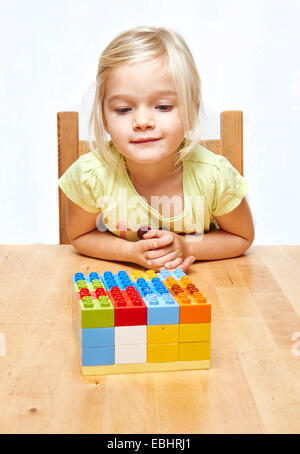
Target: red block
(84, 292)
(130, 309)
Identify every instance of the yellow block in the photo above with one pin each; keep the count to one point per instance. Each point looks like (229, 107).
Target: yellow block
(193, 351)
(194, 332)
(143, 367)
(147, 275)
(162, 334)
(162, 353)
(135, 275)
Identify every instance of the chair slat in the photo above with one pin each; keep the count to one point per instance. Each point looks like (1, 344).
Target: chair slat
(67, 138)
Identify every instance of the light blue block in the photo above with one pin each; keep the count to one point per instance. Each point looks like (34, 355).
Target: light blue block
(97, 337)
(162, 308)
(98, 356)
(176, 274)
(162, 313)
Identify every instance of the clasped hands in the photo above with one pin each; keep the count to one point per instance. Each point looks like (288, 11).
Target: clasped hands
(162, 249)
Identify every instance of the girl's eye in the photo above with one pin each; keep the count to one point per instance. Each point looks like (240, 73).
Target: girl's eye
(165, 107)
(123, 110)
(162, 108)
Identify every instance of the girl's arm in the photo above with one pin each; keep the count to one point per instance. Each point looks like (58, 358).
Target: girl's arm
(235, 236)
(88, 240)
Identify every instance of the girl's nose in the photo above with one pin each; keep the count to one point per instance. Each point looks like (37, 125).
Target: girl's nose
(143, 120)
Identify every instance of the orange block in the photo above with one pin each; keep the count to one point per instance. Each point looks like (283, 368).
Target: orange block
(193, 307)
(194, 313)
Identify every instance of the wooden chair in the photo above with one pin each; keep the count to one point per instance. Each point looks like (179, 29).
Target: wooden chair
(70, 148)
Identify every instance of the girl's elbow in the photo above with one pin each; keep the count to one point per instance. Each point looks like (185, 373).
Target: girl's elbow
(251, 236)
(248, 242)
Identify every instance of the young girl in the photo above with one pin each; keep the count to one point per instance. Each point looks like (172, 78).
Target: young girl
(152, 195)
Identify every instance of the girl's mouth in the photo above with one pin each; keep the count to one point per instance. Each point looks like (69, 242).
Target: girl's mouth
(145, 140)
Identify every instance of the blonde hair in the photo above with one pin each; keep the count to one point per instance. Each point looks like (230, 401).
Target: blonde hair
(141, 44)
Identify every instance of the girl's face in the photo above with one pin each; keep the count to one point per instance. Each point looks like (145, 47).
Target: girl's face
(140, 103)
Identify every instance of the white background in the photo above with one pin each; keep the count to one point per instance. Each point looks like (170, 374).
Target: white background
(247, 53)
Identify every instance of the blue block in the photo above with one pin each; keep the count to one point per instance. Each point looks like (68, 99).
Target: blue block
(121, 280)
(93, 276)
(162, 308)
(162, 314)
(98, 356)
(97, 337)
(177, 274)
(78, 276)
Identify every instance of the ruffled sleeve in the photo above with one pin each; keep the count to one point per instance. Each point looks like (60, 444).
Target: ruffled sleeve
(230, 187)
(82, 183)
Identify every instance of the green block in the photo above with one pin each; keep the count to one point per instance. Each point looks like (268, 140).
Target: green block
(101, 315)
(80, 284)
(97, 283)
(89, 285)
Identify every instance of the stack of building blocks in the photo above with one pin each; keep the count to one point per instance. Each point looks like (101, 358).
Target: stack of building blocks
(140, 322)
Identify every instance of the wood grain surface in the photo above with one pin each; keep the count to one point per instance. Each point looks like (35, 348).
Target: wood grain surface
(253, 385)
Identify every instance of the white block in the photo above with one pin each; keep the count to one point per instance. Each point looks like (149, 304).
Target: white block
(130, 335)
(130, 354)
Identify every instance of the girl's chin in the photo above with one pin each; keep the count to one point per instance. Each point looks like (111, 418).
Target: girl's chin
(147, 160)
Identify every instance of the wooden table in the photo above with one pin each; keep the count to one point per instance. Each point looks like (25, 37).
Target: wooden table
(253, 385)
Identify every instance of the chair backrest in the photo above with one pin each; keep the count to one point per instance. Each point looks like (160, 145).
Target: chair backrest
(70, 148)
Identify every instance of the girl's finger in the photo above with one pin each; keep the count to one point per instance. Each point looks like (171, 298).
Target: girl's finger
(153, 254)
(161, 261)
(173, 264)
(152, 233)
(156, 243)
(183, 264)
(186, 263)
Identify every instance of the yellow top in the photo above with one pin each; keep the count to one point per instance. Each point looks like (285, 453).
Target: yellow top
(211, 187)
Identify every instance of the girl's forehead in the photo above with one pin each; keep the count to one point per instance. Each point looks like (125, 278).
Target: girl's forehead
(154, 73)
(148, 64)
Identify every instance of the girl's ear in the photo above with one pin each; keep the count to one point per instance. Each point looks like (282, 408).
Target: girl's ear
(198, 106)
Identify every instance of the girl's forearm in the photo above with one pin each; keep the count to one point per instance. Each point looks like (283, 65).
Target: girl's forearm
(103, 245)
(216, 245)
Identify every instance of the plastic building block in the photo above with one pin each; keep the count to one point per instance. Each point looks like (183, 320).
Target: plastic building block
(97, 337)
(162, 309)
(96, 308)
(131, 335)
(97, 314)
(163, 334)
(144, 367)
(193, 305)
(157, 353)
(194, 332)
(130, 344)
(98, 356)
(148, 275)
(176, 274)
(140, 322)
(130, 308)
(192, 351)
(130, 354)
